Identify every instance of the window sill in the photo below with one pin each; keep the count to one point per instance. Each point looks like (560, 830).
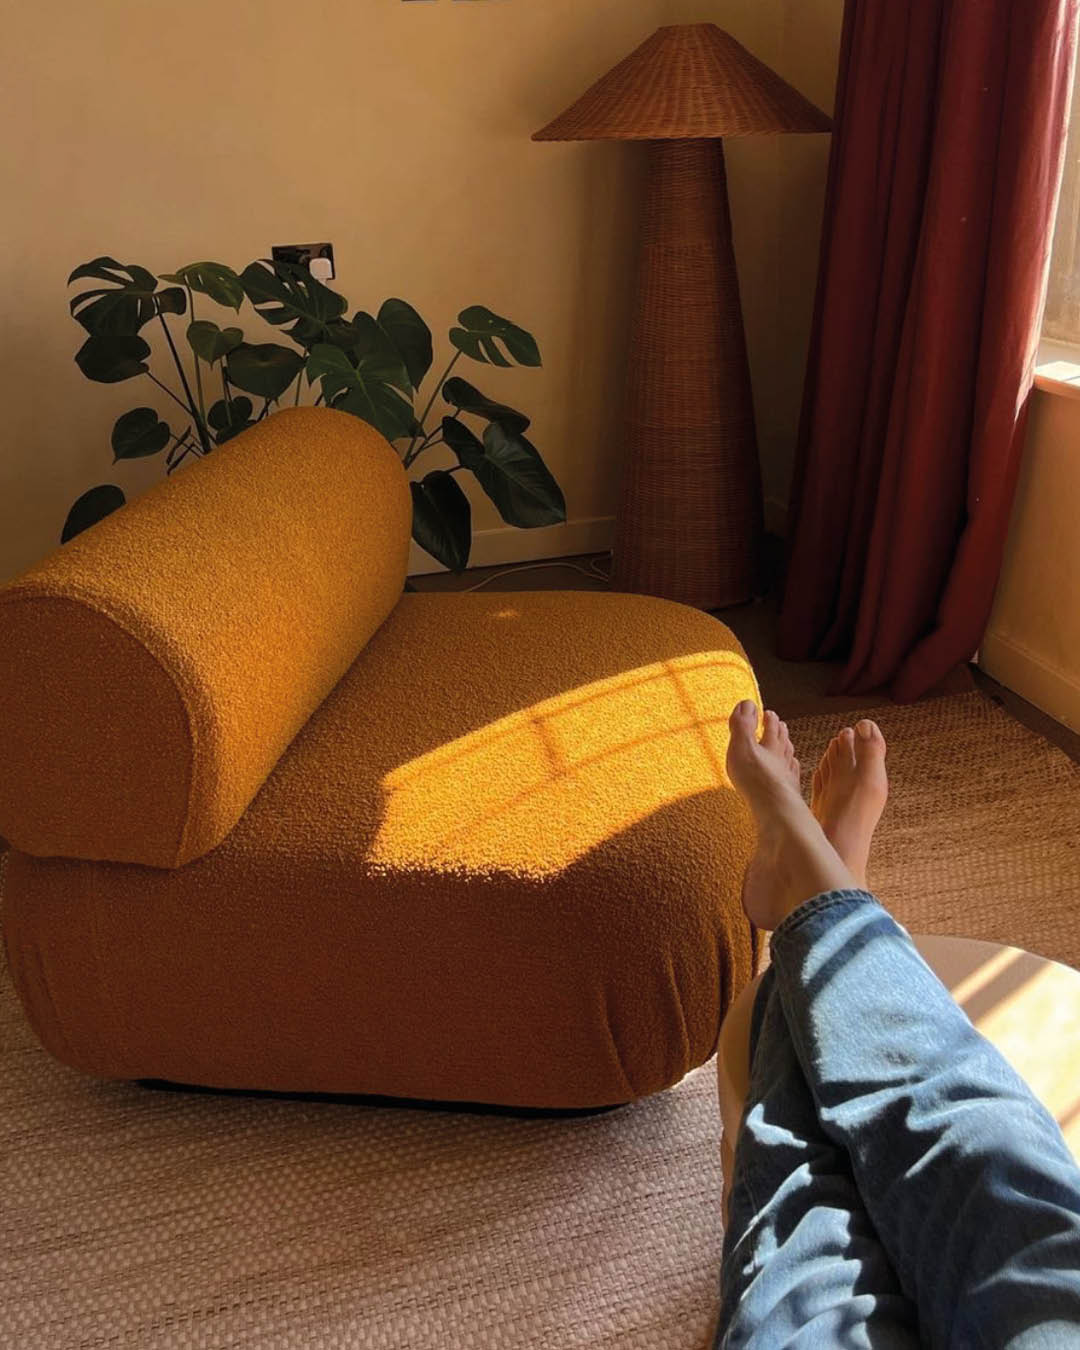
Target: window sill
(1057, 369)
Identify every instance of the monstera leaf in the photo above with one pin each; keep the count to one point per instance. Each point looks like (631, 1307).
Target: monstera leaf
(460, 394)
(442, 519)
(263, 368)
(139, 433)
(289, 297)
(211, 342)
(216, 280)
(91, 507)
(229, 419)
(223, 415)
(108, 359)
(511, 472)
(172, 300)
(119, 308)
(410, 336)
(375, 354)
(339, 333)
(481, 332)
(365, 383)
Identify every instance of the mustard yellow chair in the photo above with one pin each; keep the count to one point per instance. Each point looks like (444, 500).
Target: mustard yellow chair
(278, 826)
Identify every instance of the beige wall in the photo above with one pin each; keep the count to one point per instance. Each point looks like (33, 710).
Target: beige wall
(1033, 642)
(164, 133)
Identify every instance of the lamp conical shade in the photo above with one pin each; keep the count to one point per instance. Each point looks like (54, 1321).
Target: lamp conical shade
(686, 82)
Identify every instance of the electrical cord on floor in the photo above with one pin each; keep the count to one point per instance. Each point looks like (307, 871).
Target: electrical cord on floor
(593, 571)
(594, 564)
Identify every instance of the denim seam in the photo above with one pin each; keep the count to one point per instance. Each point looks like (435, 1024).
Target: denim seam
(826, 900)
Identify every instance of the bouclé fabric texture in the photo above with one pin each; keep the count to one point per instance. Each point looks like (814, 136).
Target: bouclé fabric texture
(153, 670)
(466, 848)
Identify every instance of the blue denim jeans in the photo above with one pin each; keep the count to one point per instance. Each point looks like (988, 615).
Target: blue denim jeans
(896, 1184)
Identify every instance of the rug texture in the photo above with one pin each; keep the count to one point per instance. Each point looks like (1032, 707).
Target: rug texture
(132, 1218)
(981, 835)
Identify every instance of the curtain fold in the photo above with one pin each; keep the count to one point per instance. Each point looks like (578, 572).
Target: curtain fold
(943, 180)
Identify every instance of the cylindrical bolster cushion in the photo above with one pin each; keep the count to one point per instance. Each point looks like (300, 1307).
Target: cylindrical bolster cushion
(154, 669)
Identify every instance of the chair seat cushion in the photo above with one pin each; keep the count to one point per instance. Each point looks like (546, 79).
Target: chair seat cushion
(501, 863)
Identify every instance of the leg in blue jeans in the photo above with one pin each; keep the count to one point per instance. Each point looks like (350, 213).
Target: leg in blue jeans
(890, 1161)
(966, 1178)
(802, 1263)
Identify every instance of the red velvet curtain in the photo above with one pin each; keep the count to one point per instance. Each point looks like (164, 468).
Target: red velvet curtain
(945, 170)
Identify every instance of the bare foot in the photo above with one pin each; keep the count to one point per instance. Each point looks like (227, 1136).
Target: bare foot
(793, 860)
(850, 788)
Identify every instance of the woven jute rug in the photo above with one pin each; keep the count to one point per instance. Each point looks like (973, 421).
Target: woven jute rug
(135, 1218)
(981, 836)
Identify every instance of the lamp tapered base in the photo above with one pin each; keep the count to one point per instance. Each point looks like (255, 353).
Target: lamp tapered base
(689, 522)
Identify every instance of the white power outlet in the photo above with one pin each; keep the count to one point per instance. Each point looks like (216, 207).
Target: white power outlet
(317, 258)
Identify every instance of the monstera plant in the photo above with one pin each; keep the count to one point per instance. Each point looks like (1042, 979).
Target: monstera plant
(371, 366)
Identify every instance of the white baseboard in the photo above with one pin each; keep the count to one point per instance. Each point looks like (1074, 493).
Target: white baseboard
(505, 545)
(1055, 691)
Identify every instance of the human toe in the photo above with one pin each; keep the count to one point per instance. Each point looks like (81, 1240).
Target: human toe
(771, 737)
(744, 717)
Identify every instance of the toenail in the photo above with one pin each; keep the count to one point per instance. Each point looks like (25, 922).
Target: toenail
(865, 730)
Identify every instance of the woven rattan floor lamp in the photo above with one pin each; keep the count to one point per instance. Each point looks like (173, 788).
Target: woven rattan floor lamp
(689, 518)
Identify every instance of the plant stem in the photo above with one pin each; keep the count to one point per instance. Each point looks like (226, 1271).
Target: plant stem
(200, 426)
(170, 393)
(436, 438)
(198, 373)
(226, 388)
(178, 441)
(431, 403)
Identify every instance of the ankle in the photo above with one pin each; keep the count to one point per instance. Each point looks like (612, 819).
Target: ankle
(807, 865)
(773, 801)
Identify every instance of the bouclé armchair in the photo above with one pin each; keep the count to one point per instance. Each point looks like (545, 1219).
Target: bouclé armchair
(278, 826)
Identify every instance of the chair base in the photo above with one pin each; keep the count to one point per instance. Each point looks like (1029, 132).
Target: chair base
(400, 1103)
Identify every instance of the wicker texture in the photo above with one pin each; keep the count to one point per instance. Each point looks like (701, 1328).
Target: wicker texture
(179, 1222)
(686, 81)
(689, 519)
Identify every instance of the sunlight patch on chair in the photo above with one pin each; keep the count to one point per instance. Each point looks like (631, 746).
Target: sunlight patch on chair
(984, 974)
(1037, 1029)
(535, 791)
